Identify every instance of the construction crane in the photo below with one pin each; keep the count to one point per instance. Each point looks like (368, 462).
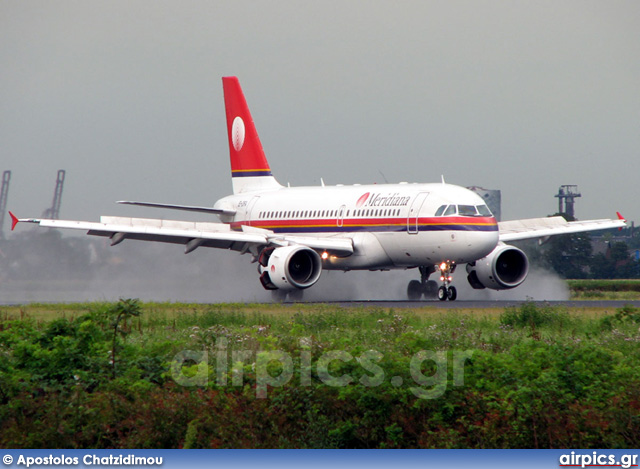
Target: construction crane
(54, 212)
(4, 193)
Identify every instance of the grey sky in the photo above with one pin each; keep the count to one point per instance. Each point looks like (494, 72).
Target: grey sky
(511, 95)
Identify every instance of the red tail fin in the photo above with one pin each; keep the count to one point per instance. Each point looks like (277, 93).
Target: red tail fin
(249, 167)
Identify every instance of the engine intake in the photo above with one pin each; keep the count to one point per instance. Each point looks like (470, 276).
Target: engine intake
(504, 268)
(289, 268)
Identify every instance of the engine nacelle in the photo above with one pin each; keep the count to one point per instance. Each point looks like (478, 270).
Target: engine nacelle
(505, 267)
(289, 268)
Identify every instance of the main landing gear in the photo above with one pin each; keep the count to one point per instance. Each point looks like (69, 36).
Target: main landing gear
(429, 288)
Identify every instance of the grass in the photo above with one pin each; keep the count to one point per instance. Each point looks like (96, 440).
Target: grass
(165, 313)
(622, 289)
(534, 374)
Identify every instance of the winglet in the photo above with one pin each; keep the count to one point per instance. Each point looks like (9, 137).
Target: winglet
(14, 221)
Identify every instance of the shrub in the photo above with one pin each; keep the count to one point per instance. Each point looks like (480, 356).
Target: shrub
(534, 316)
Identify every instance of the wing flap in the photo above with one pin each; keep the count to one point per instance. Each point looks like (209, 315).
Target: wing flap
(516, 230)
(168, 231)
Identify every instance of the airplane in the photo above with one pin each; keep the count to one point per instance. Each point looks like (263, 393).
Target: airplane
(294, 233)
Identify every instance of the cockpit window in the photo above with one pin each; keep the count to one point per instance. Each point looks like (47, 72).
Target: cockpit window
(464, 210)
(451, 210)
(467, 210)
(484, 211)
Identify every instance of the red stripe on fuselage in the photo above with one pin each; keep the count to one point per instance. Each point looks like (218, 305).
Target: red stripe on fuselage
(454, 223)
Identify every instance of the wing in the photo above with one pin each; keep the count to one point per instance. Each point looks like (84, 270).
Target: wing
(541, 227)
(193, 234)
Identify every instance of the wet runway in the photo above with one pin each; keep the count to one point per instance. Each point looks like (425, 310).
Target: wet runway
(458, 304)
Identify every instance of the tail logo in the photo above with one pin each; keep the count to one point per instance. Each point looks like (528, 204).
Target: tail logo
(362, 200)
(237, 133)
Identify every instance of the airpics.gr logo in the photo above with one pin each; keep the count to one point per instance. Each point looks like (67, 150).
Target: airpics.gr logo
(237, 133)
(379, 200)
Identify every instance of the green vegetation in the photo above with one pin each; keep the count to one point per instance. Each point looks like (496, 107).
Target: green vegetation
(306, 376)
(622, 289)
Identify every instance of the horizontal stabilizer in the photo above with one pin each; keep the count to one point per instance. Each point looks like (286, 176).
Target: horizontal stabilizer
(185, 208)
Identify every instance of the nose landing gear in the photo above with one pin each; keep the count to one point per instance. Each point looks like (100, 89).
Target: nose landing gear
(446, 290)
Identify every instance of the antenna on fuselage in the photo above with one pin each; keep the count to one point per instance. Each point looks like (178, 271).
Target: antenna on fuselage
(442, 177)
(322, 182)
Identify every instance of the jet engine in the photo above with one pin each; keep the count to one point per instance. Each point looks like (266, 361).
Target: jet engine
(505, 267)
(289, 268)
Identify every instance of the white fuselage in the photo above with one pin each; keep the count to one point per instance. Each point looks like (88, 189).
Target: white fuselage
(392, 225)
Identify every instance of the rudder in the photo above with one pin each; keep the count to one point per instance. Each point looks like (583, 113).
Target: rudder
(250, 169)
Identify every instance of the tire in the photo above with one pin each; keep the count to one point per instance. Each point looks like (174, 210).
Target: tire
(414, 290)
(452, 294)
(431, 289)
(442, 293)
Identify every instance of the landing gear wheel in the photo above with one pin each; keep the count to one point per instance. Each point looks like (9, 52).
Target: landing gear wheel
(452, 293)
(414, 290)
(442, 293)
(431, 289)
